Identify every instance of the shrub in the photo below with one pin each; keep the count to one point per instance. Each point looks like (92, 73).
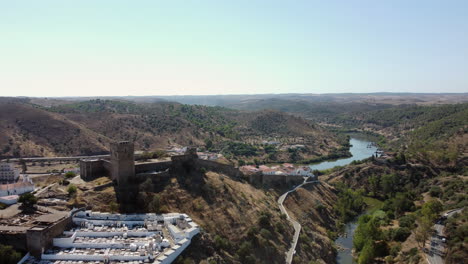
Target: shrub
(407, 221)
(70, 174)
(319, 206)
(266, 234)
(401, 234)
(71, 189)
(221, 243)
(264, 220)
(435, 191)
(244, 251)
(395, 249)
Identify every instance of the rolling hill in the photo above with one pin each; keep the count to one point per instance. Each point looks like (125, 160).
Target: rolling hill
(87, 127)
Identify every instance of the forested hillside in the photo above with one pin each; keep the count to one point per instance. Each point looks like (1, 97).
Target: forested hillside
(424, 176)
(87, 127)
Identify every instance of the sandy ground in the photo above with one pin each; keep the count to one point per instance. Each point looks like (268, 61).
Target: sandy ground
(10, 211)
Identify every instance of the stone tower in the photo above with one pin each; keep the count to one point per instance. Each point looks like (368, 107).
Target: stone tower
(122, 162)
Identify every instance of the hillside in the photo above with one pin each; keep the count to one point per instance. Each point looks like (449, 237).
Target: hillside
(27, 130)
(312, 206)
(413, 186)
(240, 223)
(87, 127)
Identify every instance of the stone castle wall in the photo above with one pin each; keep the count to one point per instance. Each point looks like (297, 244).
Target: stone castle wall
(92, 169)
(228, 170)
(152, 166)
(107, 166)
(122, 167)
(258, 179)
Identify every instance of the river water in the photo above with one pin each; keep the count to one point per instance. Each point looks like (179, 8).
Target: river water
(360, 149)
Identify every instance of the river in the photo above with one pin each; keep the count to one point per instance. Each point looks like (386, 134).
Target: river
(359, 150)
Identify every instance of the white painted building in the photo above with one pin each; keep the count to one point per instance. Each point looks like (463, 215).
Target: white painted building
(8, 173)
(23, 186)
(302, 172)
(118, 238)
(9, 200)
(287, 170)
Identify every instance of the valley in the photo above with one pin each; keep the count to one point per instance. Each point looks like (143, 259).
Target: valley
(391, 171)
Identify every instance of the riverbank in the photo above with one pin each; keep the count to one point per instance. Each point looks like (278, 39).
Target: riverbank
(344, 242)
(318, 201)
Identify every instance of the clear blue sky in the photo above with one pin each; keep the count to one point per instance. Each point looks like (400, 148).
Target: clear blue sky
(112, 47)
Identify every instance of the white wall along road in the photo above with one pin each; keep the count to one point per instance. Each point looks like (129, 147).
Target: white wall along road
(297, 227)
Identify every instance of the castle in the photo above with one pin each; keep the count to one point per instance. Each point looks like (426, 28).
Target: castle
(123, 171)
(120, 167)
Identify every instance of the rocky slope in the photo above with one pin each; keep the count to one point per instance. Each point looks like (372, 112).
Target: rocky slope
(240, 223)
(312, 206)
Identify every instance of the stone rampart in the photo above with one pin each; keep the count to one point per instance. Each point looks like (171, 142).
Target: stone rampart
(281, 180)
(228, 170)
(107, 166)
(152, 166)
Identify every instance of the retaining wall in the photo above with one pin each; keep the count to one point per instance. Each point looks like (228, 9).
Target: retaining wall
(41, 237)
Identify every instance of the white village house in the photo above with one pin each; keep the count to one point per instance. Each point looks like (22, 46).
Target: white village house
(8, 173)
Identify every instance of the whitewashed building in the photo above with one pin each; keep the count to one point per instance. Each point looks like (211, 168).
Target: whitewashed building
(8, 173)
(119, 238)
(24, 185)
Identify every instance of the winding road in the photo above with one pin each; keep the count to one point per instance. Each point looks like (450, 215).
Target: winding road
(297, 227)
(436, 245)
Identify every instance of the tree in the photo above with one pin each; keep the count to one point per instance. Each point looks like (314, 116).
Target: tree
(8, 255)
(423, 231)
(28, 200)
(264, 220)
(388, 183)
(244, 251)
(367, 230)
(431, 209)
(24, 167)
(208, 144)
(374, 183)
(367, 254)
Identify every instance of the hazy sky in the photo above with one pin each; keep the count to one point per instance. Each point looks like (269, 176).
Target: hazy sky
(89, 47)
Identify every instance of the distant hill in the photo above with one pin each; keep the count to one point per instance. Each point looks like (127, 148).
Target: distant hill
(372, 98)
(27, 130)
(87, 127)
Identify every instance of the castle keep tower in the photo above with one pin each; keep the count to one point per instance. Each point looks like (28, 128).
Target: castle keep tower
(122, 161)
